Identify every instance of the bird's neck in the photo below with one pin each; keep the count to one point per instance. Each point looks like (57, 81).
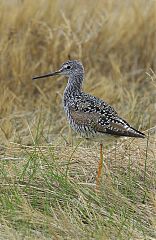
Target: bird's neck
(74, 86)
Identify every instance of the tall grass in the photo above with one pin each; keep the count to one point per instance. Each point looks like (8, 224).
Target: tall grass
(47, 176)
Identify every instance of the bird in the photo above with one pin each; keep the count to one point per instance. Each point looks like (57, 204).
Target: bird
(89, 116)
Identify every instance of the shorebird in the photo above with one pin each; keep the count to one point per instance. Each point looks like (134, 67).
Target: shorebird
(88, 115)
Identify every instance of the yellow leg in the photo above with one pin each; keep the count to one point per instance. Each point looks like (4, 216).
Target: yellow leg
(99, 168)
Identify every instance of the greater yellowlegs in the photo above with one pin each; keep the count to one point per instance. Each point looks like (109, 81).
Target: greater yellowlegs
(90, 116)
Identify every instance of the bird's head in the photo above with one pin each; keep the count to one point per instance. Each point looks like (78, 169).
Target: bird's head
(69, 68)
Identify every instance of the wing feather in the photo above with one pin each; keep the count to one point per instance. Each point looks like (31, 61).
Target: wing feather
(101, 118)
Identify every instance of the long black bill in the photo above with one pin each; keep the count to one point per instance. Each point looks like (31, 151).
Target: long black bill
(47, 75)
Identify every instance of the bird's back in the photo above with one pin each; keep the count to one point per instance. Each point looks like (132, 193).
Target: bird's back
(92, 117)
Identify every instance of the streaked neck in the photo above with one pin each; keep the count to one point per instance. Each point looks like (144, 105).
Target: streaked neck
(74, 84)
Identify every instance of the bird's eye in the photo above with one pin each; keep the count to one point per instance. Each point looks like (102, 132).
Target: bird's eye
(68, 67)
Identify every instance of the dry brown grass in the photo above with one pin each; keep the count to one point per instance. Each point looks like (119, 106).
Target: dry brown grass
(116, 41)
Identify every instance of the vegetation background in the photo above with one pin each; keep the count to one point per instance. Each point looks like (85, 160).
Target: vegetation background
(47, 177)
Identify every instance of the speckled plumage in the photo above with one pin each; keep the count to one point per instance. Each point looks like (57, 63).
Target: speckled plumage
(89, 116)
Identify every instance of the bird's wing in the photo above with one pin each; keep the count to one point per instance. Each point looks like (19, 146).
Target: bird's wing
(102, 118)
